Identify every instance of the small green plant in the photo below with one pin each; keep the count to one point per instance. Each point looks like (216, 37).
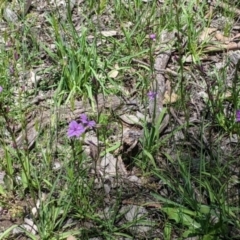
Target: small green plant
(150, 142)
(222, 101)
(187, 208)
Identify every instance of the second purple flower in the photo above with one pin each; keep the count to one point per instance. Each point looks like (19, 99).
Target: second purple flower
(86, 122)
(152, 95)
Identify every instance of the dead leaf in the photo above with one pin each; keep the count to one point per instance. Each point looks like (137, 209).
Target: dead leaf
(27, 6)
(223, 47)
(130, 119)
(191, 58)
(170, 98)
(126, 24)
(111, 166)
(109, 33)
(113, 73)
(10, 16)
(206, 34)
(237, 36)
(71, 237)
(94, 151)
(219, 36)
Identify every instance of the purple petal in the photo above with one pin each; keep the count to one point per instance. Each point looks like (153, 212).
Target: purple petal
(152, 95)
(238, 116)
(71, 133)
(91, 124)
(152, 36)
(73, 125)
(75, 129)
(11, 70)
(16, 56)
(84, 118)
(1, 89)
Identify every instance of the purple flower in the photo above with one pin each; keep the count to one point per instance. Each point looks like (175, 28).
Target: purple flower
(91, 124)
(1, 89)
(152, 95)
(238, 116)
(86, 122)
(11, 70)
(75, 129)
(84, 118)
(16, 56)
(152, 36)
